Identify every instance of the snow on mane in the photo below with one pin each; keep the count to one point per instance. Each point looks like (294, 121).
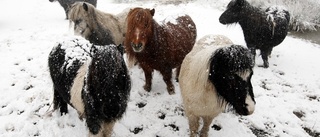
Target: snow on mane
(276, 11)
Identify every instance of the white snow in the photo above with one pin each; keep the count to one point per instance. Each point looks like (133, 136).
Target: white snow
(172, 19)
(76, 48)
(276, 11)
(287, 93)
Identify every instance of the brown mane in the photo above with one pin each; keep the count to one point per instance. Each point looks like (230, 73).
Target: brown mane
(158, 47)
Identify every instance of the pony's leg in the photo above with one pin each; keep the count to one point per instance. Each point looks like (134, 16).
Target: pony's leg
(108, 129)
(264, 54)
(167, 75)
(206, 124)
(67, 14)
(92, 115)
(58, 102)
(178, 73)
(253, 51)
(148, 77)
(193, 124)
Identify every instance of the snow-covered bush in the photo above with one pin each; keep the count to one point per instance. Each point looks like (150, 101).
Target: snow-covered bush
(305, 15)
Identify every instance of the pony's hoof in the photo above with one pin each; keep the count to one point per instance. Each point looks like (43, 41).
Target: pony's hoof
(94, 128)
(147, 88)
(177, 79)
(265, 65)
(171, 90)
(81, 116)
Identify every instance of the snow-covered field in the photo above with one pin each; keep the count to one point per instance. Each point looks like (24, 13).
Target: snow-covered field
(287, 93)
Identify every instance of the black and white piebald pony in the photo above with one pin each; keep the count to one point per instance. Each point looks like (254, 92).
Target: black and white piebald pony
(214, 75)
(262, 29)
(92, 79)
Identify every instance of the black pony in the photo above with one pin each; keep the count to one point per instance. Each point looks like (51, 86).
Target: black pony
(66, 4)
(92, 79)
(262, 29)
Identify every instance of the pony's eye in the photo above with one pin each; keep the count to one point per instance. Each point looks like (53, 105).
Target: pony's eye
(78, 21)
(231, 77)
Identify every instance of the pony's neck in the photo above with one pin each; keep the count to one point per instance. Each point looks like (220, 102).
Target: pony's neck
(99, 38)
(100, 35)
(155, 29)
(252, 16)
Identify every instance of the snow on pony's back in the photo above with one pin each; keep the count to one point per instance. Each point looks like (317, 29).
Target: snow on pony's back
(76, 48)
(172, 19)
(277, 11)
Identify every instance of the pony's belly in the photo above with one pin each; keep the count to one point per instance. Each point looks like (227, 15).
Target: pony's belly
(76, 90)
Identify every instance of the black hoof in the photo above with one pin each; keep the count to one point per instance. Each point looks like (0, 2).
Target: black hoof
(147, 88)
(94, 128)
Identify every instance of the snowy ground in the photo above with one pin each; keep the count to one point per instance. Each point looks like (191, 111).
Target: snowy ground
(287, 93)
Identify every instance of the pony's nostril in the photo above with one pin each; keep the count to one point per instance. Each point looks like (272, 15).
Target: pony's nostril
(132, 44)
(139, 45)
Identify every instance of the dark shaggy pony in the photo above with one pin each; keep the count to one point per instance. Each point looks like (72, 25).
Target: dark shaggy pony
(98, 27)
(66, 4)
(92, 79)
(215, 74)
(160, 47)
(262, 29)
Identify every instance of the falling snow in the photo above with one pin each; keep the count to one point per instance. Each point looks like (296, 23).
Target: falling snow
(287, 93)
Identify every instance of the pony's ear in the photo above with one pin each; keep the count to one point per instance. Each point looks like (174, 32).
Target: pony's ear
(152, 12)
(85, 6)
(240, 2)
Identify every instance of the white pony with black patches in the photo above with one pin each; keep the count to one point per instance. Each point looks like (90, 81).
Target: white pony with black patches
(98, 27)
(92, 79)
(214, 75)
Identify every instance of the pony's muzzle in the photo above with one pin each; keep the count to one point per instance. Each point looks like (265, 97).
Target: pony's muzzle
(137, 47)
(250, 105)
(222, 21)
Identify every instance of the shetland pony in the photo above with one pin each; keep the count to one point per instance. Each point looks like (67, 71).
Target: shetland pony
(158, 46)
(96, 26)
(214, 75)
(262, 29)
(66, 4)
(92, 79)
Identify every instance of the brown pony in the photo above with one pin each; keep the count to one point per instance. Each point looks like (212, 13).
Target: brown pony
(160, 47)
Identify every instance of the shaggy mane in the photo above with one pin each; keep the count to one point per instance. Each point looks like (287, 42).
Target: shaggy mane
(98, 21)
(132, 22)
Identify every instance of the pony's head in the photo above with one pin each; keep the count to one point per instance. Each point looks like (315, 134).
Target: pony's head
(231, 69)
(234, 12)
(79, 14)
(139, 28)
